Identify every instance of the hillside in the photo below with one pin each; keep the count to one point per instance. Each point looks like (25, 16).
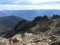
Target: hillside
(39, 24)
(8, 22)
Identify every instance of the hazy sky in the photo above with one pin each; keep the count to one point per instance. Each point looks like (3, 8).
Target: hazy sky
(29, 4)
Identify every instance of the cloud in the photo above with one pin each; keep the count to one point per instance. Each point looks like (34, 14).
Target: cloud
(34, 1)
(26, 2)
(28, 7)
(29, 4)
(22, 2)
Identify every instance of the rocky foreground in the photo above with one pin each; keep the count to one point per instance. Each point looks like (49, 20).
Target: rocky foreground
(31, 39)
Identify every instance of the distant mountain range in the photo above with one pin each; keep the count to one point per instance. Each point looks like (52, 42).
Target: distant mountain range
(29, 14)
(9, 18)
(8, 22)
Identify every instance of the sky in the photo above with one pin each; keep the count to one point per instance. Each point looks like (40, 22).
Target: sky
(29, 4)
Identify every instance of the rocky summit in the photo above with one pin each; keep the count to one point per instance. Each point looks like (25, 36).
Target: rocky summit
(42, 30)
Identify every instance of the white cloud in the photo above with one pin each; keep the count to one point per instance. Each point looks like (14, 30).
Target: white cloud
(28, 7)
(40, 1)
(26, 1)
(20, 1)
(17, 5)
(34, 1)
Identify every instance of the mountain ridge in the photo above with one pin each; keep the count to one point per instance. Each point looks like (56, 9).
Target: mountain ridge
(8, 22)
